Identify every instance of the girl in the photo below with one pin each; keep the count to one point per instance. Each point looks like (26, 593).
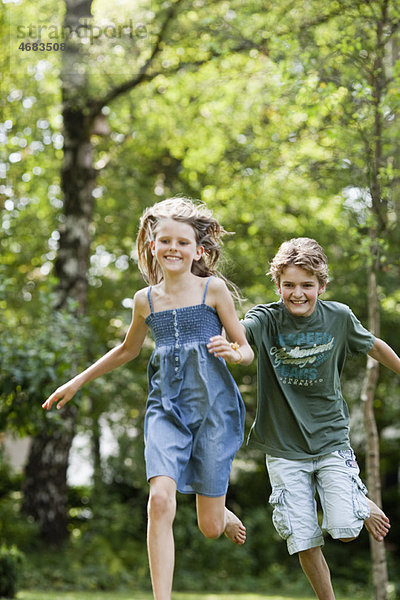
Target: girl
(194, 415)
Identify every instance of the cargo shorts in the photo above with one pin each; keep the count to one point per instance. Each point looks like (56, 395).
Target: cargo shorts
(342, 494)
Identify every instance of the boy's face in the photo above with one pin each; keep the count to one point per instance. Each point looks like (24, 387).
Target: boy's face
(299, 290)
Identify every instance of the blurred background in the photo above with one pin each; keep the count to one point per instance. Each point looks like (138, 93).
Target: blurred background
(282, 117)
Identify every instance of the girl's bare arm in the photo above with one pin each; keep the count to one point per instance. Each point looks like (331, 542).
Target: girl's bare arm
(219, 345)
(121, 354)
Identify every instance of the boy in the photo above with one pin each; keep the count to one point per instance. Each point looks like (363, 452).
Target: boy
(302, 421)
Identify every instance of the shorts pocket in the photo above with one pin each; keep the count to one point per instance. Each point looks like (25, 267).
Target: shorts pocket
(280, 515)
(360, 504)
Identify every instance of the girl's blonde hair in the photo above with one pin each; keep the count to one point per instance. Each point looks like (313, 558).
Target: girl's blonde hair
(208, 233)
(301, 252)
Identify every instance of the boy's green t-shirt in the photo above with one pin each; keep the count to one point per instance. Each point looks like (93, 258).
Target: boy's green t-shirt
(301, 411)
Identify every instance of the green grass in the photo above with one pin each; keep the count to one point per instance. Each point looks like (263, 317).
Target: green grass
(25, 595)
(147, 596)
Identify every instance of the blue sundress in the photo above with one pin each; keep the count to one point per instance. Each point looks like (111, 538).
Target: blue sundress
(194, 418)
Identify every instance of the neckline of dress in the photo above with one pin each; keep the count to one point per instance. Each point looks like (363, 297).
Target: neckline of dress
(167, 310)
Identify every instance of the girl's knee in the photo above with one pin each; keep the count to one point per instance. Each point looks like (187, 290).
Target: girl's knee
(162, 503)
(211, 528)
(346, 540)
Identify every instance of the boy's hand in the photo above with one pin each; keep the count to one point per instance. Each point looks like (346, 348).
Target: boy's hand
(62, 395)
(219, 346)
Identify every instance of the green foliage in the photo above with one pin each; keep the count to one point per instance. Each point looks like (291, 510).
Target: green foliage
(15, 529)
(11, 560)
(87, 566)
(107, 548)
(32, 365)
(266, 113)
(9, 481)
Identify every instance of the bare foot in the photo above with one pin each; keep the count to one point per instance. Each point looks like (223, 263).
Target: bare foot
(234, 528)
(377, 523)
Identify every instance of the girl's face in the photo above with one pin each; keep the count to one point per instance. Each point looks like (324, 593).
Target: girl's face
(175, 246)
(299, 290)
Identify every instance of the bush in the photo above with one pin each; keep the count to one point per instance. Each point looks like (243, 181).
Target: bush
(11, 560)
(16, 528)
(87, 564)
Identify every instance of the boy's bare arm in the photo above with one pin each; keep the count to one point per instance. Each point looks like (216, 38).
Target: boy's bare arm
(383, 353)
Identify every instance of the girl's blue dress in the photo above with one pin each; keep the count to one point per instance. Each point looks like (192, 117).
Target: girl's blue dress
(195, 415)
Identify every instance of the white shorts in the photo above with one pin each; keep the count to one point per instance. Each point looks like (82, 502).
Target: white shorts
(341, 492)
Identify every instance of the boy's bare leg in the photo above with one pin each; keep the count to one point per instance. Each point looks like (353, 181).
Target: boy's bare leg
(160, 539)
(316, 568)
(377, 523)
(214, 519)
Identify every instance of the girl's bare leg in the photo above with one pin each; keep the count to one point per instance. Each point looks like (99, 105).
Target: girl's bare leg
(161, 510)
(214, 519)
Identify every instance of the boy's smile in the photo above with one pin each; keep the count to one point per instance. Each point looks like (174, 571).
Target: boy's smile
(299, 290)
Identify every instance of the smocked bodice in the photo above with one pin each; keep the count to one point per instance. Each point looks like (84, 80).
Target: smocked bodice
(186, 325)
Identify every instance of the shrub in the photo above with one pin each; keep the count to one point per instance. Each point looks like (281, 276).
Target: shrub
(11, 560)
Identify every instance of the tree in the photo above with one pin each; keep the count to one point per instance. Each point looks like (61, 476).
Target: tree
(45, 499)
(264, 114)
(366, 109)
(385, 27)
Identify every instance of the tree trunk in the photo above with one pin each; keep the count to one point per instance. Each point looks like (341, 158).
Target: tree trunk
(45, 485)
(45, 497)
(78, 180)
(379, 565)
(377, 230)
(96, 454)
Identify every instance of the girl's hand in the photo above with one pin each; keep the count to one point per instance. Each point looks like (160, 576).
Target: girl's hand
(219, 346)
(62, 395)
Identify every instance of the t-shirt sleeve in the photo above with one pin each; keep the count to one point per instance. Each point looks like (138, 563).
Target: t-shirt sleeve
(253, 322)
(359, 339)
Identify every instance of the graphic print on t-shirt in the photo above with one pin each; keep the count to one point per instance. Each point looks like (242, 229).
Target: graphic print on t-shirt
(297, 357)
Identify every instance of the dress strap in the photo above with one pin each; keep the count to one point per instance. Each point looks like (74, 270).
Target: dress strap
(149, 299)
(205, 289)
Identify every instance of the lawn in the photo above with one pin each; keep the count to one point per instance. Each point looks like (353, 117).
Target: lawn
(25, 595)
(147, 596)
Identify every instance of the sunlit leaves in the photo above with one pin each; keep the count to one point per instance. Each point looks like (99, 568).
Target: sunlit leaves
(263, 110)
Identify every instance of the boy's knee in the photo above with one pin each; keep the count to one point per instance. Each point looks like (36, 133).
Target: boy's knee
(309, 553)
(346, 540)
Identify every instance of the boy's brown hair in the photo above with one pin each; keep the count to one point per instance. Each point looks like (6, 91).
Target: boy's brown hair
(301, 252)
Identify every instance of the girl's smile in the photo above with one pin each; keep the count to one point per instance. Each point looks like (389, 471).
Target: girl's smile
(299, 291)
(175, 245)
